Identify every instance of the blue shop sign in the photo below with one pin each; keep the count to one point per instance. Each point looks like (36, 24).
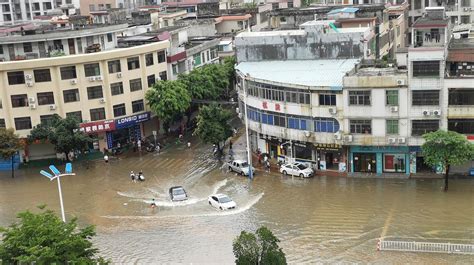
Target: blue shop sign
(131, 120)
(377, 149)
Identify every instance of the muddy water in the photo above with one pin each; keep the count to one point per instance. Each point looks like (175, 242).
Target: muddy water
(322, 219)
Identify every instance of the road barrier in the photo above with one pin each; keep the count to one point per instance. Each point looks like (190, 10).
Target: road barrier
(450, 248)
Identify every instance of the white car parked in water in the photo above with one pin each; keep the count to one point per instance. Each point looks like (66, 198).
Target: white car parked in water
(297, 169)
(221, 201)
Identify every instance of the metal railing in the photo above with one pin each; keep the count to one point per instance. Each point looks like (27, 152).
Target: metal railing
(413, 246)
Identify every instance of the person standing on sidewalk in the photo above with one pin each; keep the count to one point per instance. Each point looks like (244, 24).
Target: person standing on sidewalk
(139, 145)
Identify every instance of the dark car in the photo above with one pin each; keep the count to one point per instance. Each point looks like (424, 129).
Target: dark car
(178, 193)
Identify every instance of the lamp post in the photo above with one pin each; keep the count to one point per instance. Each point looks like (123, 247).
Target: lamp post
(249, 151)
(57, 175)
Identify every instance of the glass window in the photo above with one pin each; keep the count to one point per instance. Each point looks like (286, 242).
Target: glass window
(23, 123)
(163, 76)
(394, 162)
(27, 47)
(2, 123)
(119, 110)
(138, 106)
(68, 72)
(109, 37)
(135, 84)
(75, 114)
(19, 101)
(326, 125)
(360, 126)
(116, 88)
(45, 98)
(94, 92)
(392, 97)
(97, 114)
(197, 59)
(425, 68)
(46, 120)
(420, 127)
(151, 80)
(464, 126)
(42, 75)
(392, 126)
(71, 95)
(359, 97)
(425, 97)
(460, 96)
(133, 63)
(114, 66)
(161, 56)
(327, 99)
(149, 59)
(16, 78)
(92, 69)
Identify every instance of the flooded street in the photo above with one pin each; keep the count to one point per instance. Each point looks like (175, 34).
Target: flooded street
(323, 219)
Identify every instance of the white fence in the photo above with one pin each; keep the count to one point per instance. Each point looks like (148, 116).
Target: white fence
(449, 248)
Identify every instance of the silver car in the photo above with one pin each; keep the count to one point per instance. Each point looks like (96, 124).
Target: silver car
(178, 193)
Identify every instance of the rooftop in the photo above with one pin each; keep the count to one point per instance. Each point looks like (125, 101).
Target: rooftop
(233, 18)
(258, 34)
(310, 73)
(343, 10)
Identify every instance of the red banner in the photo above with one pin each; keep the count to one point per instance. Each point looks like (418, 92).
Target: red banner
(97, 126)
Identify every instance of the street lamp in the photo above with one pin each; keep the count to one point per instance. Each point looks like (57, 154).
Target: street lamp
(57, 175)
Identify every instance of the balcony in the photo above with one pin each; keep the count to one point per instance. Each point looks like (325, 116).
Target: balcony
(427, 38)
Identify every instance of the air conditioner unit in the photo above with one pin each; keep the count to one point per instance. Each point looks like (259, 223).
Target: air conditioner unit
(338, 136)
(31, 100)
(119, 75)
(32, 106)
(401, 82)
(437, 112)
(394, 108)
(307, 133)
(29, 84)
(157, 79)
(28, 77)
(102, 100)
(332, 111)
(392, 140)
(401, 140)
(467, 9)
(52, 107)
(98, 78)
(348, 138)
(73, 81)
(426, 113)
(91, 78)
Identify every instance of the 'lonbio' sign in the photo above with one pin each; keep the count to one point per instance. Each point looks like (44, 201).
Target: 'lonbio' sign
(131, 120)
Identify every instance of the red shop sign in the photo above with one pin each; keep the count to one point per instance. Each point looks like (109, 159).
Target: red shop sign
(97, 126)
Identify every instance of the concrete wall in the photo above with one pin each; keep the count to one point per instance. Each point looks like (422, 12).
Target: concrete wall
(200, 27)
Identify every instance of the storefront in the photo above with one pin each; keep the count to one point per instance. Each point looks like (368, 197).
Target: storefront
(97, 131)
(127, 130)
(330, 156)
(380, 159)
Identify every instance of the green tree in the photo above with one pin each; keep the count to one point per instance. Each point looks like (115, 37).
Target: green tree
(212, 124)
(260, 248)
(45, 239)
(9, 146)
(446, 148)
(168, 100)
(63, 133)
(206, 82)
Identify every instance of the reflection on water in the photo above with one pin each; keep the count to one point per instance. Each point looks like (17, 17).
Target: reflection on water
(322, 219)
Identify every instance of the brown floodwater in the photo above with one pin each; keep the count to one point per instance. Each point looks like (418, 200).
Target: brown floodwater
(322, 219)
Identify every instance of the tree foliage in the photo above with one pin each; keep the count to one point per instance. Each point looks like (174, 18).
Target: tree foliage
(206, 82)
(63, 133)
(446, 148)
(168, 100)
(9, 143)
(212, 124)
(260, 248)
(45, 239)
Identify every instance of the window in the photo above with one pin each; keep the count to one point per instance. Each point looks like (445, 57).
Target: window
(359, 97)
(290, 4)
(114, 66)
(392, 126)
(23, 123)
(119, 110)
(161, 56)
(75, 114)
(19, 101)
(45, 98)
(425, 68)
(459, 96)
(295, 123)
(116, 88)
(91, 8)
(294, 97)
(108, 6)
(151, 80)
(138, 106)
(68, 72)
(326, 125)
(1, 49)
(135, 84)
(27, 47)
(46, 120)
(92, 69)
(109, 37)
(71, 95)
(16, 78)
(197, 59)
(391, 97)
(163, 76)
(149, 59)
(327, 100)
(2, 123)
(174, 68)
(420, 127)
(133, 63)
(465, 126)
(94, 92)
(42, 75)
(97, 114)
(360, 126)
(425, 98)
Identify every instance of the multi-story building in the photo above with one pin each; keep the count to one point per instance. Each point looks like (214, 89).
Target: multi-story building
(458, 11)
(18, 11)
(105, 90)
